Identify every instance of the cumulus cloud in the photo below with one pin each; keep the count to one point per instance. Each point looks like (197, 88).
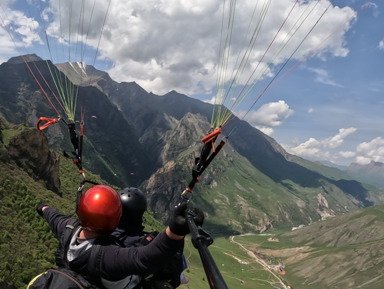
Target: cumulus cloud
(321, 149)
(185, 56)
(371, 151)
(309, 148)
(337, 140)
(166, 45)
(269, 115)
(326, 149)
(347, 154)
(267, 130)
(24, 31)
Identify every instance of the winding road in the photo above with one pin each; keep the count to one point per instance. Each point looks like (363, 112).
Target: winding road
(260, 261)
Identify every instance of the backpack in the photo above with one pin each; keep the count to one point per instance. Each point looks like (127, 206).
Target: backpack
(61, 278)
(64, 277)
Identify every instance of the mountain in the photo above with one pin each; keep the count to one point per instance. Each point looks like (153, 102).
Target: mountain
(142, 139)
(332, 165)
(371, 173)
(23, 102)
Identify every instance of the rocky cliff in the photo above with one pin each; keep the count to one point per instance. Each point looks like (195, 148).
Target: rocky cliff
(29, 150)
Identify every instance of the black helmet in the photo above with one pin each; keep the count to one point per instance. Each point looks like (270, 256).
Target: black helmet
(134, 204)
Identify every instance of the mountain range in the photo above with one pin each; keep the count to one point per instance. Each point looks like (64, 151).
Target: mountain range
(136, 138)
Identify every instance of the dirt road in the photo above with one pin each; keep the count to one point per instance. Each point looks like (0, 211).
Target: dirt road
(260, 261)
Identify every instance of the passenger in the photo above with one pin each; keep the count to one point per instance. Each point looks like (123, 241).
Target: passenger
(131, 232)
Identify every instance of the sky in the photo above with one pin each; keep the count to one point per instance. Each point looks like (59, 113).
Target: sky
(307, 73)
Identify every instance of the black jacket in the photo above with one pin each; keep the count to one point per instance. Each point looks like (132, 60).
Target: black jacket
(117, 263)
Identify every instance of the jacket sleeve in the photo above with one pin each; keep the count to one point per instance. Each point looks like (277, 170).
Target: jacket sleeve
(56, 221)
(118, 262)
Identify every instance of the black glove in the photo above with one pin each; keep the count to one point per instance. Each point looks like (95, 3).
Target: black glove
(197, 215)
(178, 223)
(40, 206)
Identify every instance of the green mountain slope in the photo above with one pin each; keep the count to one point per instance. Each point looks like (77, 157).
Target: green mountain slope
(342, 252)
(238, 197)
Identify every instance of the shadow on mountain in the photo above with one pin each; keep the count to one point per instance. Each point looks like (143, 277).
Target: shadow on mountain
(269, 157)
(218, 231)
(354, 189)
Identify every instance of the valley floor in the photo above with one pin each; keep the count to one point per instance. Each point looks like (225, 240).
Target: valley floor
(270, 269)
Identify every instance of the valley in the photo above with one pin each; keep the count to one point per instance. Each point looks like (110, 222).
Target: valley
(340, 252)
(271, 269)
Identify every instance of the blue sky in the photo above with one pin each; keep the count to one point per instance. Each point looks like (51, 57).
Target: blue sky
(328, 108)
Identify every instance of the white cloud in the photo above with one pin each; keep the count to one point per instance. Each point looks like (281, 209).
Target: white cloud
(309, 148)
(322, 149)
(381, 45)
(323, 77)
(374, 8)
(371, 151)
(175, 44)
(267, 130)
(347, 154)
(326, 149)
(269, 115)
(24, 31)
(337, 140)
(165, 45)
(363, 160)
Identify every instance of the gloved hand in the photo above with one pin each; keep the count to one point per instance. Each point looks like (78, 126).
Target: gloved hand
(40, 206)
(178, 223)
(197, 215)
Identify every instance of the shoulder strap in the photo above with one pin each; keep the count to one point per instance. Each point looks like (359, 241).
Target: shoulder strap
(93, 265)
(64, 241)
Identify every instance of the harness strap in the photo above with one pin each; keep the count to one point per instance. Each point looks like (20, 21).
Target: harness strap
(93, 266)
(61, 258)
(211, 137)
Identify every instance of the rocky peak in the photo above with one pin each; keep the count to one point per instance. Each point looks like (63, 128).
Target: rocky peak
(29, 149)
(24, 58)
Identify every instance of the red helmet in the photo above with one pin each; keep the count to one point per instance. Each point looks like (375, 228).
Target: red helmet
(100, 209)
